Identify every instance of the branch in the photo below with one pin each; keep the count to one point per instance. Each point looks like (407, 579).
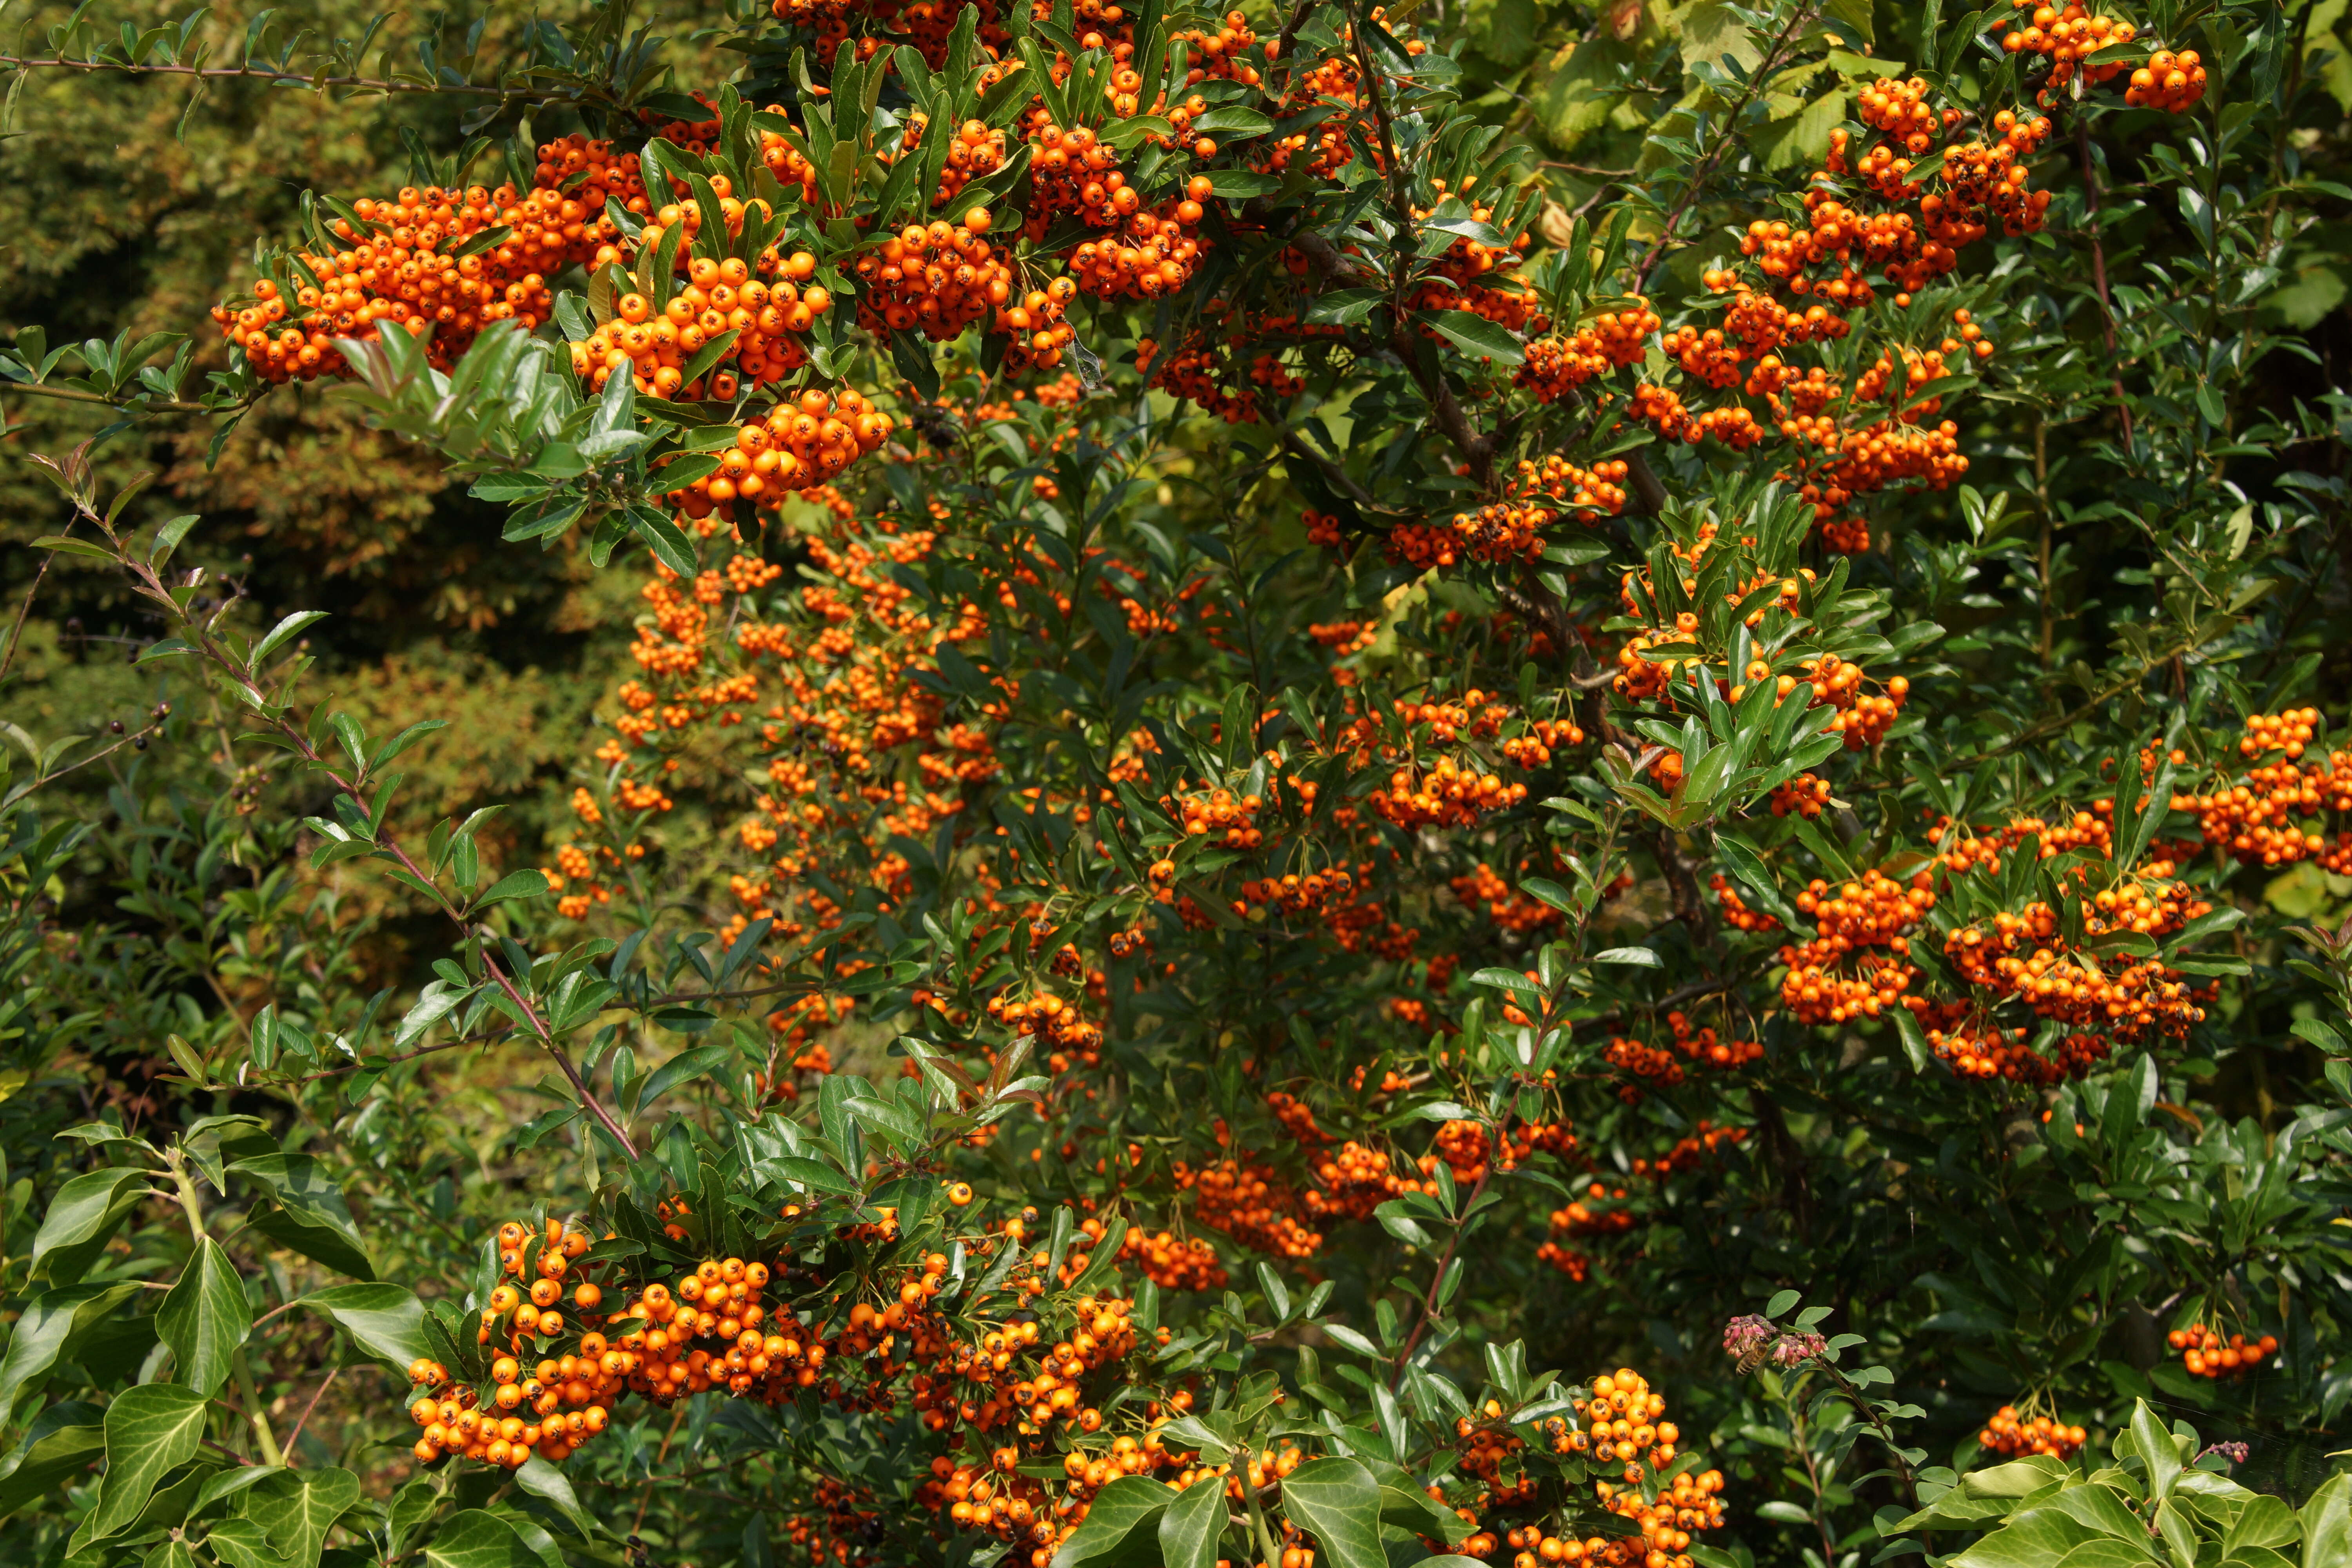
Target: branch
(136, 403)
(1723, 141)
(2099, 268)
(299, 744)
(1477, 449)
(1428, 1298)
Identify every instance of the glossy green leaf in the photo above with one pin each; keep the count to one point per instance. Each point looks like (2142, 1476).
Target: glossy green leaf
(62, 1442)
(1120, 1530)
(46, 1326)
(204, 1318)
(240, 1543)
(387, 1321)
(296, 1508)
(150, 1430)
(2326, 1522)
(81, 1217)
(1339, 1502)
(1190, 1528)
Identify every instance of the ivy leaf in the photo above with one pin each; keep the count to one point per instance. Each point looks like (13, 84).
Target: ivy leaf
(150, 1430)
(295, 1509)
(81, 1218)
(204, 1318)
(1117, 1531)
(1191, 1526)
(240, 1543)
(309, 1216)
(46, 1326)
(1340, 1503)
(63, 1441)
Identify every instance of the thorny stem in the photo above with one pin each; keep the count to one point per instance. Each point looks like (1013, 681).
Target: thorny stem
(139, 402)
(1812, 1475)
(295, 1435)
(1885, 1436)
(300, 743)
(1282, 55)
(1437, 1280)
(645, 1501)
(2042, 504)
(1724, 138)
(16, 629)
(1475, 448)
(2099, 277)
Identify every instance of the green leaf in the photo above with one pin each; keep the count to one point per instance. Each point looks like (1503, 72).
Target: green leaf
(63, 1441)
(2327, 1521)
(385, 1321)
(2035, 1538)
(168, 537)
(669, 546)
(46, 1326)
(1476, 334)
(2154, 1440)
(2265, 1521)
(1915, 1040)
(291, 625)
(2016, 1478)
(240, 1543)
(1340, 1503)
(814, 1175)
(1241, 184)
(1231, 120)
(2106, 1552)
(710, 353)
(544, 1482)
(529, 883)
(1118, 1531)
(295, 1509)
(65, 546)
(204, 1318)
(310, 1233)
(1743, 861)
(151, 1430)
(81, 1218)
(681, 1069)
(1190, 1528)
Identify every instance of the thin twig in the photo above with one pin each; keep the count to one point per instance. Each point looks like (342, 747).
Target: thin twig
(1428, 1298)
(305, 1417)
(141, 402)
(17, 627)
(1764, 72)
(2099, 270)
